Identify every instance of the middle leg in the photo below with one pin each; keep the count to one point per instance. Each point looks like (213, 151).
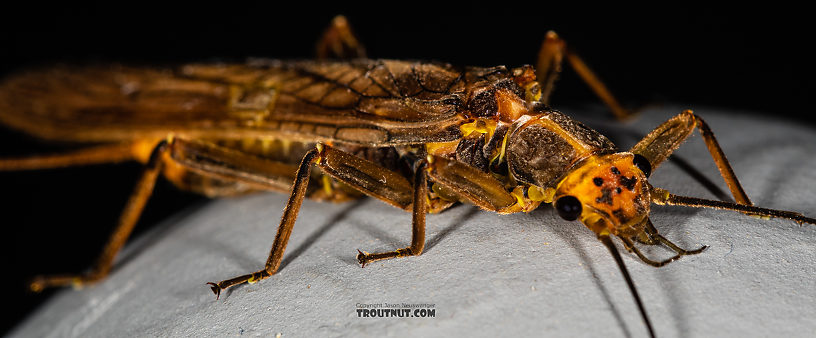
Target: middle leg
(369, 178)
(553, 51)
(419, 209)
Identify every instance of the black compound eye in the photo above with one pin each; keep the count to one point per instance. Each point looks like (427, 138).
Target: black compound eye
(568, 207)
(643, 164)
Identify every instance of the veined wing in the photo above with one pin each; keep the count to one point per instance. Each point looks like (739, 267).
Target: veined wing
(364, 102)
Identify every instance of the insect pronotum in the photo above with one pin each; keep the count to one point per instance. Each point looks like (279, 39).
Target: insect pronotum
(417, 135)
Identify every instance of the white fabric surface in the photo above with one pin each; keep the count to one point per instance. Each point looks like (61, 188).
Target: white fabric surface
(488, 275)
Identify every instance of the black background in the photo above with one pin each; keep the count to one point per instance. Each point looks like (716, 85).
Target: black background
(756, 60)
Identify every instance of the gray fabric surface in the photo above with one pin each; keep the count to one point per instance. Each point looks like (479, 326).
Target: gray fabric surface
(488, 275)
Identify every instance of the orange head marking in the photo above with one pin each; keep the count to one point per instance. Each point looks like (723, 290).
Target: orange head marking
(608, 193)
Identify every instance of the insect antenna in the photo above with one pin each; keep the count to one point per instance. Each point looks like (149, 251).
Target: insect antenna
(615, 254)
(694, 202)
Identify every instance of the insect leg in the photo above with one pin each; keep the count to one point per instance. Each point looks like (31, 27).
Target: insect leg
(385, 185)
(111, 153)
(661, 142)
(368, 177)
(339, 42)
(230, 164)
(284, 230)
(128, 219)
(178, 154)
(472, 184)
(476, 186)
(548, 67)
(419, 209)
(550, 56)
(666, 138)
(363, 175)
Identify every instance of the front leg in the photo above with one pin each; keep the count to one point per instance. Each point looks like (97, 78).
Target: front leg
(661, 142)
(480, 188)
